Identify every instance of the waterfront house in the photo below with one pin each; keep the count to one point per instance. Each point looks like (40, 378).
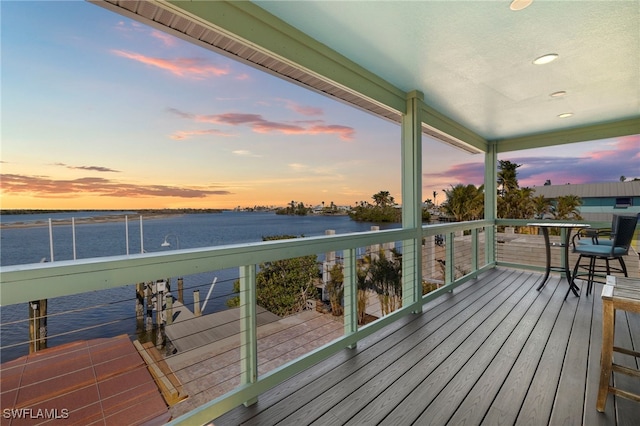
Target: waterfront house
(486, 347)
(600, 201)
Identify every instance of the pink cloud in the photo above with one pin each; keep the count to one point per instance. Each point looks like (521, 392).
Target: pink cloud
(45, 187)
(186, 134)
(165, 38)
(259, 125)
(182, 67)
(303, 109)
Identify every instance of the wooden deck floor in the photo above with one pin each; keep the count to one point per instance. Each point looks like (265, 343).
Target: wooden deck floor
(495, 351)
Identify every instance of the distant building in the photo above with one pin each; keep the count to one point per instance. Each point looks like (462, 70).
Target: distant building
(599, 200)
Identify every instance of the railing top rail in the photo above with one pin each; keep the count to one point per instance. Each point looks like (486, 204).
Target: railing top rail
(22, 283)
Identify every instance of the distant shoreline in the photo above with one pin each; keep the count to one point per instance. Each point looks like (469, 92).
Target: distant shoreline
(85, 220)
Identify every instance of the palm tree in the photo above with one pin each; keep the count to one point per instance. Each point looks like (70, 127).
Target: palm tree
(464, 202)
(541, 206)
(507, 176)
(386, 281)
(566, 207)
(517, 204)
(383, 199)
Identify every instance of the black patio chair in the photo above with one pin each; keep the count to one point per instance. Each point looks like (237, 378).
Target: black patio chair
(596, 235)
(614, 249)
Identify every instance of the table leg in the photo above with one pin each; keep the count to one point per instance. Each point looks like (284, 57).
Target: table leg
(606, 356)
(572, 286)
(547, 245)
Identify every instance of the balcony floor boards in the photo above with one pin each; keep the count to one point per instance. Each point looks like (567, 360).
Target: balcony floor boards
(495, 351)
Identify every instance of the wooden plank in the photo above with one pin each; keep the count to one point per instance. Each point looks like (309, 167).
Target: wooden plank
(441, 409)
(570, 395)
(591, 416)
(170, 388)
(327, 389)
(430, 360)
(479, 400)
(506, 406)
(539, 400)
(539, 367)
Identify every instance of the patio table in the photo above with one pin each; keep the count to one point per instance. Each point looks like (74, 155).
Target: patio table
(564, 266)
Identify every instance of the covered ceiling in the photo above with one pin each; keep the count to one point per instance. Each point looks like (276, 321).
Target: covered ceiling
(472, 60)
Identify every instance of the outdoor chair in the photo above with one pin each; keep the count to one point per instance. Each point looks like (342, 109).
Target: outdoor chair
(605, 249)
(596, 235)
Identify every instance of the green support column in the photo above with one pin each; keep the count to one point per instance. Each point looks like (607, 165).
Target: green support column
(490, 200)
(412, 201)
(248, 328)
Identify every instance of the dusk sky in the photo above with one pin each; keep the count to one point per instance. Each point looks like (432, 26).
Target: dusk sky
(102, 112)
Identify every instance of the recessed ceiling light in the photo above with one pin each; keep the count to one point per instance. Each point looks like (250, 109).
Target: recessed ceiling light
(519, 4)
(565, 115)
(558, 94)
(545, 59)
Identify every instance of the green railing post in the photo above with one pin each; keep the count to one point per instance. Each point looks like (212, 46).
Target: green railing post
(449, 275)
(248, 328)
(350, 293)
(474, 251)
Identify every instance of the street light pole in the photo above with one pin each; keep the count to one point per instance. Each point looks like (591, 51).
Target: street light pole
(166, 243)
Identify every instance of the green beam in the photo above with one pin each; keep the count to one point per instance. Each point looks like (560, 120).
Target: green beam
(578, 134)
(450, 129)
(243, 20)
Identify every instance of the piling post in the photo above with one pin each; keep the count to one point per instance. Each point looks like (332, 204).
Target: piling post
(196, 303)
(180, 290)
(37, 325)
(42, 332)
(169, 299)
(149, 294)
(161, 291)
(33, 327)
(139, 301)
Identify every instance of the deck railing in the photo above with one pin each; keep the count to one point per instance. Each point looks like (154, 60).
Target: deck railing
(435, 259)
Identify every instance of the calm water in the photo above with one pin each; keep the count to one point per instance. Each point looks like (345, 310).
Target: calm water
(115, 307)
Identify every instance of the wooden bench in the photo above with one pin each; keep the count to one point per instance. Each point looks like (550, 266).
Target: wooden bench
(623, 294)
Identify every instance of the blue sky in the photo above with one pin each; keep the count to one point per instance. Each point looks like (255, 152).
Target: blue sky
(99, 111)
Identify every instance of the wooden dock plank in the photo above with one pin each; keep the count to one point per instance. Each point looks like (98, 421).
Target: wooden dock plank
(387, 387)
(569, 403)
(590, 415)
(478, 401)
(440, 410)
(508, 401)
(539, 400)
(478, 331)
